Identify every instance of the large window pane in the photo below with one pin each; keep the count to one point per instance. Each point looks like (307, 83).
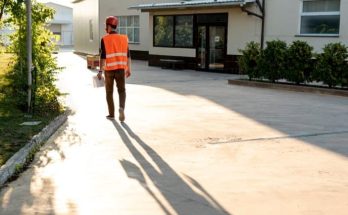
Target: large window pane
(122, 21)
(321, 6)
(184, 31)
(130, 21)
(320, 24)
(122, 30)
(163, 31)
(136, 21)
(130, 34)
(136, 35)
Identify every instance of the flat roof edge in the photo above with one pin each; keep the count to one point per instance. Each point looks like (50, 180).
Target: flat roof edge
(154, 7)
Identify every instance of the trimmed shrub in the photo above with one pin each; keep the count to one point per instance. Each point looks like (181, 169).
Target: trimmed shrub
(331, 67)
(299, 62)
(273, 60)
(344, 82)
(248, 62)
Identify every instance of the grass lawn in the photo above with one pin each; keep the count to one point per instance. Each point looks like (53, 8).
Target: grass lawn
(13, 136)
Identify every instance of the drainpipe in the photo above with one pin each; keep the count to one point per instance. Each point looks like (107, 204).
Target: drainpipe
(261, 16)
(263, 23)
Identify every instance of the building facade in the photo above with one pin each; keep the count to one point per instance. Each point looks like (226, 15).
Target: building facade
(62, 24)
(208, 34)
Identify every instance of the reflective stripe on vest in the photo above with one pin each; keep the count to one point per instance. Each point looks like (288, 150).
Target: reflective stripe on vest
(115, 63)
(116, 55)
(116, 48)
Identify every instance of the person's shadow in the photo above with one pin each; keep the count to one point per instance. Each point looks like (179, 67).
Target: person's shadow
(182, 198)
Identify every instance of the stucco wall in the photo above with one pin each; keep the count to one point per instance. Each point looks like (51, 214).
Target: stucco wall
(85, 11)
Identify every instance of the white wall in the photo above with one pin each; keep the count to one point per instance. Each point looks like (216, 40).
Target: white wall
(242, 29)
(83, 12)
(283, 21)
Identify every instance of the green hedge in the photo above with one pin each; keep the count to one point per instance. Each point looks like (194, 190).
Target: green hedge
(331, 67)
(299, 62)
(273, 60)
(249, 59)
(296, 63)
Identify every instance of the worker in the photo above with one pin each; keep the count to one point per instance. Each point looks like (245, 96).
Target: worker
(115, 61)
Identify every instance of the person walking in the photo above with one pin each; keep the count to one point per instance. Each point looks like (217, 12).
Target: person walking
(115, 61)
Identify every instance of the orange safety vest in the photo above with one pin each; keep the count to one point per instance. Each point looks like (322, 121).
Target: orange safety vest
(116, 48)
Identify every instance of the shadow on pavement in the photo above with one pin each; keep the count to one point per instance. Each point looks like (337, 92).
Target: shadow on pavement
(36, 193)
(182, 198)
(303, 116)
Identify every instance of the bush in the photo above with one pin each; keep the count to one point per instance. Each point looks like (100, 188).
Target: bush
(248, 62)
(299, 62)
(273, 60)
(331, 67)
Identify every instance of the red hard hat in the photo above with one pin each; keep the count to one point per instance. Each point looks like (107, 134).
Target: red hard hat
(112, 20)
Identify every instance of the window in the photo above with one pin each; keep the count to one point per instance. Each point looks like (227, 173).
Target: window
(91, 30)
(173, 31)
(129, 25)
(320, 17)
(184, 31)
(164, 31)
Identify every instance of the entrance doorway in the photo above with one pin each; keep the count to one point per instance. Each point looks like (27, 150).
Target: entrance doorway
(211, 46)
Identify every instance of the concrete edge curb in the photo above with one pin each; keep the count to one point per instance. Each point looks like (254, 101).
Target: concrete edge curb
(296, 88)
(9, 168)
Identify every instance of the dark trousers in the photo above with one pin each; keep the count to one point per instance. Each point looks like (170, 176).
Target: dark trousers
(118, 76)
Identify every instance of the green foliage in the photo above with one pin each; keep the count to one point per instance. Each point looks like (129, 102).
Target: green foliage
(46, 97)
(299, 62)
(331, 67)
(273, 60)
(248, 62)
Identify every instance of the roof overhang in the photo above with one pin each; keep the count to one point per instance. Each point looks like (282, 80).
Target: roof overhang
(191, 4)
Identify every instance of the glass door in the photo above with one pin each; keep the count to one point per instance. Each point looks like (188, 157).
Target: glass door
(211, 47)
(202, 47)
(216, 47)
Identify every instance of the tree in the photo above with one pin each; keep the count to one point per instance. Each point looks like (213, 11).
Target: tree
(46, 96)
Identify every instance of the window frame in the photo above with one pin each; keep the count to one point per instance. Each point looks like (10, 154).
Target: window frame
(330, 13)
(174, 31)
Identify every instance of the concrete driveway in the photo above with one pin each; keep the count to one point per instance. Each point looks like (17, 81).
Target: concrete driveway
(191, 145)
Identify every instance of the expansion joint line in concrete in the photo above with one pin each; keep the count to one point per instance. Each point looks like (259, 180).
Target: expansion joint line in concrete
(282, 137)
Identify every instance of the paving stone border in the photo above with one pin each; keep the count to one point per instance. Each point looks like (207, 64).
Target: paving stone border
(19, 159)
(290, 87)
